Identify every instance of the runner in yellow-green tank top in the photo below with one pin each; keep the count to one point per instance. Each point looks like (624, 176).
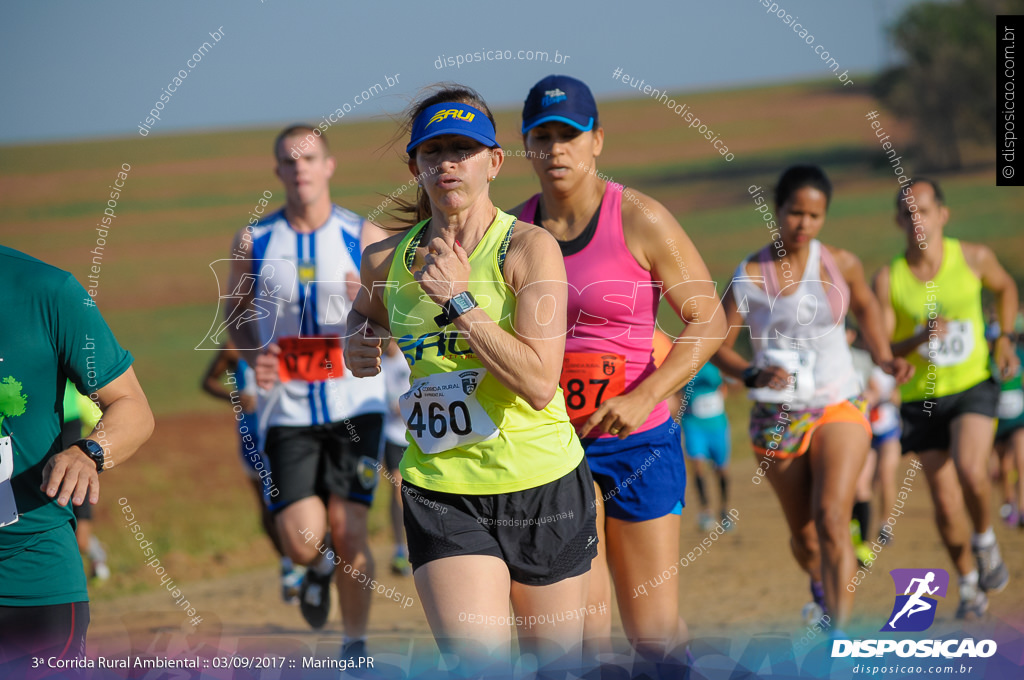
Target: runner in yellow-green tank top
(498, 498)
(931, 297)
(478, 436)
(958, 360)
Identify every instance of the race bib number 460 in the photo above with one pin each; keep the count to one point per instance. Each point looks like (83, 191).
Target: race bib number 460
(311, 359)
(442, 412)
(955, 347)
(590, 379)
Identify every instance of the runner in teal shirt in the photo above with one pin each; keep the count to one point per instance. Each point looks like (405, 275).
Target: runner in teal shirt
(706, 438)
(51, 331)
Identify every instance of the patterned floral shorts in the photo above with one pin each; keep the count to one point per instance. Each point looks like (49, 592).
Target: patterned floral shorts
(786, 433)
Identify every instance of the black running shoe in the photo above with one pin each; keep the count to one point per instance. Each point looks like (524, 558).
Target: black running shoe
(315, 598)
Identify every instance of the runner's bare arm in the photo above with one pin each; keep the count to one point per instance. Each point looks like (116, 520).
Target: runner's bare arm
(126, 424)
(669, 254)
(868, 311)
(996, 279)
(728, 360)
(371, 233)
(368, 328)
(907, 345)
(688, 287)
(529, 361)
(244, 336)
(224, 360)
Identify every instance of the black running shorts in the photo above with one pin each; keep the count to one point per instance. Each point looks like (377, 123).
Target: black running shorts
(544, 534)
(340, 459)
(54, 631)
(927, 424)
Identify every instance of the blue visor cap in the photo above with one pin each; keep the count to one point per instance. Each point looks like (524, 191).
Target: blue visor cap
(451, 119)
(560, 98)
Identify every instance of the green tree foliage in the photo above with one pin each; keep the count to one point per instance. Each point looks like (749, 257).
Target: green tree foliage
(947, 84)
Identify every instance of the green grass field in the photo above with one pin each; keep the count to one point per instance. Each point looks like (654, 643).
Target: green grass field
(187, 194)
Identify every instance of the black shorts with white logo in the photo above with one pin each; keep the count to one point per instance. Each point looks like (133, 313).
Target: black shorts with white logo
(545, 534)
(340, 459)
(927, 429)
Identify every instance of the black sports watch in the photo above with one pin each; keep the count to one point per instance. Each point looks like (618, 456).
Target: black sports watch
(454, 308)
(93, 450)
(750, 376)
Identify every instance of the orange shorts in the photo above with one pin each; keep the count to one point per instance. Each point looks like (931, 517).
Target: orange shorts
(778, 431)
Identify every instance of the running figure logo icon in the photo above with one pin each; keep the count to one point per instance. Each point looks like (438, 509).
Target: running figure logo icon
(914, 610)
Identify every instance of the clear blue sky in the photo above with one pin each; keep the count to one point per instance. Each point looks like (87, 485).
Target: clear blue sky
(88, 69)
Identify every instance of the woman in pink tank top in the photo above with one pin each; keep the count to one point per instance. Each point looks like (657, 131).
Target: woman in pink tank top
(808, 424)
(624, 253)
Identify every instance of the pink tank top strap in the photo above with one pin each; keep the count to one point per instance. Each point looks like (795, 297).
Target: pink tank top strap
(838, 294)
(767, 262)
(609, 239)
(529, 213)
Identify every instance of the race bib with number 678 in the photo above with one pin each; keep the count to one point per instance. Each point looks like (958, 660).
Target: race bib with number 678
(310, 359)
(441, 411)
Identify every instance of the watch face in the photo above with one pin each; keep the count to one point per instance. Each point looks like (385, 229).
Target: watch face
(462, 303)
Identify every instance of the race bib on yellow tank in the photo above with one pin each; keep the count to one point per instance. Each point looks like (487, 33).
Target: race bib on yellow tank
(441, 411)
(8, 510)
(955, 347)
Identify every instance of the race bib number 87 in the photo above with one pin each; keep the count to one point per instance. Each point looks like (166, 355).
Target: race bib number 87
(588, 380)
(442, 411)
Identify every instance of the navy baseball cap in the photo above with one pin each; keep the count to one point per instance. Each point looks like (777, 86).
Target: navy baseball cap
(560, 98)
(451, 119)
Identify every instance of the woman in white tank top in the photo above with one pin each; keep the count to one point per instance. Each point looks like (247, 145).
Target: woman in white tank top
(807, 425)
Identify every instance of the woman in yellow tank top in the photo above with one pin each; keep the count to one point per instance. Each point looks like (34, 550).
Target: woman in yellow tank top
(498, 500)
(931, 297)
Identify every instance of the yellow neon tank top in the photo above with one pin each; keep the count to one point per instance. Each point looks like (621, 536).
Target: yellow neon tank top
(958, 361)
(532, 447)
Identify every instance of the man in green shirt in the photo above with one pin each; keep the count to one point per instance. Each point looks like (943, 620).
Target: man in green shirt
(51, 331)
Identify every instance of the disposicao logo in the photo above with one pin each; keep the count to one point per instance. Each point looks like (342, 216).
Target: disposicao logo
(912, 612)
(451, 113)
